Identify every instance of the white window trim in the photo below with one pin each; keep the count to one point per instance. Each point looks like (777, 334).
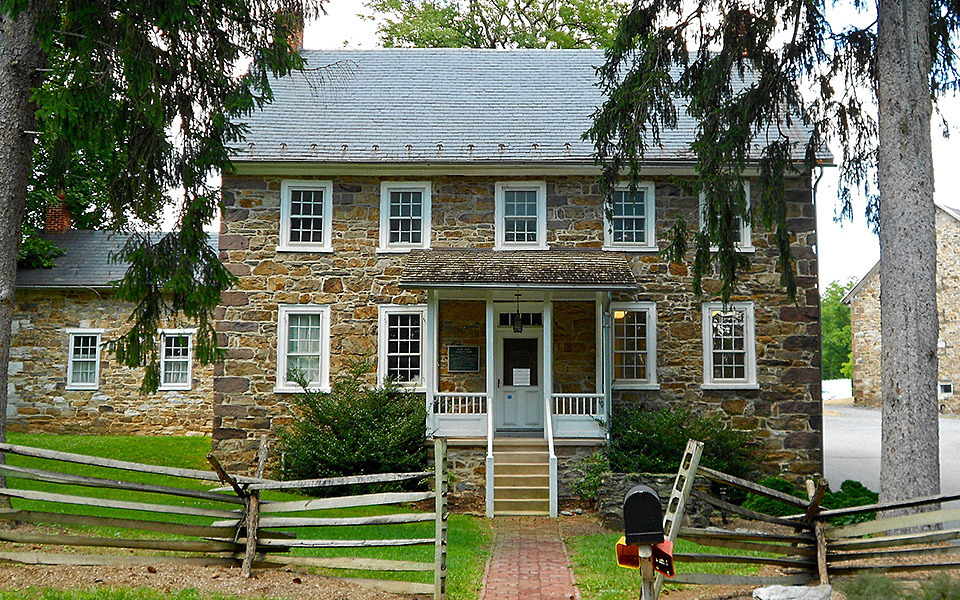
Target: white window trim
(942, 393)
(96, 379)
(177, 332)
(386, 187)
(649, 190)
(498, 215)
(746, 230)
(750, 345)
(650, 382)
(286, 186)
(283, 313)
(383, 312)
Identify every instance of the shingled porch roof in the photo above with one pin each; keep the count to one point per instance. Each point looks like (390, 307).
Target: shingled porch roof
(537, 269)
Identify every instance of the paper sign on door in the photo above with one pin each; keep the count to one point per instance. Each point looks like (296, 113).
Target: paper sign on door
(521, 377)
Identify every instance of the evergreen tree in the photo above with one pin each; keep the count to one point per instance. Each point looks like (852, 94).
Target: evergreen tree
(835, 324)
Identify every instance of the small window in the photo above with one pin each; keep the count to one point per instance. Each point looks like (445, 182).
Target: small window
(729, 349)
(743, 233)
(83, 360)
(303, 347)
(176, 360)
(528, 319)
(521, 215)
(634, 344)
(404, 215)
(946, 389)
(631, 220)
(305, 216)
(401, 344)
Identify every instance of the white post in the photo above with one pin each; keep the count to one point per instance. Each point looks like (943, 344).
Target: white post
(548, 400)
(431, 372)
(491, 393)
(607, 334)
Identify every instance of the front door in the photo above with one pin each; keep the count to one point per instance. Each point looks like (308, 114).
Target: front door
(519, 362)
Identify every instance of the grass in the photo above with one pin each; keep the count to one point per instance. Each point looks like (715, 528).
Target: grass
(468, 537)
(599, 578)
(112, 594)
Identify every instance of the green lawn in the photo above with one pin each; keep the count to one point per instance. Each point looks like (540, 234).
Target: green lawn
(468, 537)
(599, 578)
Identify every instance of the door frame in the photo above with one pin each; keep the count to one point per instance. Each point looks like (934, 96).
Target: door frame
(500, 334)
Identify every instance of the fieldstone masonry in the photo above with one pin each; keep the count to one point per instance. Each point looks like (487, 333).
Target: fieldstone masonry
(784, 413)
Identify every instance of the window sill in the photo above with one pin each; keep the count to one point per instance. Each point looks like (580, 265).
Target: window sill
(401, 250)
(299, 390)
(743, 249)
(531, 247)
(636, 386)
(313, 249)
(730, 386)
(73, 387)
(174, 388)
(631, 249)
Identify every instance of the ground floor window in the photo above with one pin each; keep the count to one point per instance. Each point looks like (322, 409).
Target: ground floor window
(83, 359)
(176, 359)
(401, 331)
(303, 347)
(729, 349)
(634, 343)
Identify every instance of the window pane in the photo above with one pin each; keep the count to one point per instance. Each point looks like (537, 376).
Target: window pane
(406, 221)
(729, 344)
(175, 360)
(629, 217)
(83, 359)
(306, 216)
(520, 216)
(303, 347)
(403, 347)
(630, 355)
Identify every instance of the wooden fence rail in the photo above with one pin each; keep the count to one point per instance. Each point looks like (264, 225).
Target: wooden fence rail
(249, 535)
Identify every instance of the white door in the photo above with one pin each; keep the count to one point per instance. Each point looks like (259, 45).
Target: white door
(519, 398)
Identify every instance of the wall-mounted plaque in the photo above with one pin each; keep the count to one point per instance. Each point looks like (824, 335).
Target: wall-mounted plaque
(463, 359)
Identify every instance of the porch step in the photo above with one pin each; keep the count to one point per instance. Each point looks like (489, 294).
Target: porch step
(515, 506)
(520, 493)
(521, 480)
(525, 457)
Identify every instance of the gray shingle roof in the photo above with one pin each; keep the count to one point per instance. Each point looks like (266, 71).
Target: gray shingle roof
(439, 105)
(85, 262)
(591, 269)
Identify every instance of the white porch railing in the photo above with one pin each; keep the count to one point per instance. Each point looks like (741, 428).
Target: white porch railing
(579, 404)
(554, 480)
(459, 414)
(579, 415)
(459, 403)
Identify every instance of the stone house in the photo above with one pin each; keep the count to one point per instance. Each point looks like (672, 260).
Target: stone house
(62, 379)
(864, 302)
(437, 209)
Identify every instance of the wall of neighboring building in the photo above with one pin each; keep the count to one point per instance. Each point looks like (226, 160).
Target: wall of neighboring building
(38, 400)
(865, 323)
(354, 279)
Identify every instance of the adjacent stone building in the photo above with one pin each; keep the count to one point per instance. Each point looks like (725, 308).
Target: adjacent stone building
(438, 211)
(63, 380)
(864, 302)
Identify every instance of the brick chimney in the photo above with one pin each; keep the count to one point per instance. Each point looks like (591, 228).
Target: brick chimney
(58, 218)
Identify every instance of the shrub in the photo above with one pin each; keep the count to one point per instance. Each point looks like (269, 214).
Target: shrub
(769, 506)
(354, 429)
(587, 486)
(941, 587)
(653, 442)
(851, 493)
(871, 586)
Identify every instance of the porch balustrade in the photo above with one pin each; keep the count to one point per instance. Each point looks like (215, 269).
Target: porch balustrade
(579, 404)
(461, 403)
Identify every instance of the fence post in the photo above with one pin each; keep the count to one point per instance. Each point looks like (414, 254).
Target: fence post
(253, 512)
(440, 503)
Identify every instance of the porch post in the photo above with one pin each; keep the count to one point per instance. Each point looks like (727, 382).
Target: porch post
(607, 360)
(430, 369)
(547, 357)
(490, 393)
(600, 358)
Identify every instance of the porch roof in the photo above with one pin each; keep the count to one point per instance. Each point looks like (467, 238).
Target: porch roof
(583, 269)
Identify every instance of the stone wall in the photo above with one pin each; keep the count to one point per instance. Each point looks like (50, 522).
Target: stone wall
(38, 400)
(865, 322)
(354, 279)
(614, 486)
(575, 347)
(462, 323)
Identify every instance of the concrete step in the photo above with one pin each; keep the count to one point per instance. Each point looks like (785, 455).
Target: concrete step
(514, 443)
(520, 493)
(508, 468)
(514, 505)
(528, 457)
(521, 513)
(521, 480)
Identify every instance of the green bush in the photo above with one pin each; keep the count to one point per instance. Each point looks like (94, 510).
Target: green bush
(851, 493)
(871, 586)
(769, 506)
(587, 486)
(941, 587)
(654, 442)
(354, 429)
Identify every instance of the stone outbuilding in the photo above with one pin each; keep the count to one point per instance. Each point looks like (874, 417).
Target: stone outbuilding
(864, 302)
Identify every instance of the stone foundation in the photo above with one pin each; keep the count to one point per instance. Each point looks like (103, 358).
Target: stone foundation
(614, 486)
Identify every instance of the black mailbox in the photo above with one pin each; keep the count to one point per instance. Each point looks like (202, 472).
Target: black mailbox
(642, 516)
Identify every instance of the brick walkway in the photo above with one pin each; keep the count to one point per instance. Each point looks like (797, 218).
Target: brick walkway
(529, 562)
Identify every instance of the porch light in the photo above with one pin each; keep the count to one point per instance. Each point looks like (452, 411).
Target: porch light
(518, 318)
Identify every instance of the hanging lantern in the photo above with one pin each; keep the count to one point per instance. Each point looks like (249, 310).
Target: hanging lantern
(518, 318)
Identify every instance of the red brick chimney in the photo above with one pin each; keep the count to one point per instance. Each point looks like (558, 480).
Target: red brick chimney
(58, 217)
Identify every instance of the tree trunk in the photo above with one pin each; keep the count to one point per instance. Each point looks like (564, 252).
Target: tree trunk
(910, 458)
(20, 57)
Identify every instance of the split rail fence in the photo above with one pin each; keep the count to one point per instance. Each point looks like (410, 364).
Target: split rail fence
(808, 547)
(207, 527)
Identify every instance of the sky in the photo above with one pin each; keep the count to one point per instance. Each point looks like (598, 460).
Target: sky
(847, 250)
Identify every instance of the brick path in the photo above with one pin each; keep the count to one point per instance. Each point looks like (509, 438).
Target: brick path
(529, 562)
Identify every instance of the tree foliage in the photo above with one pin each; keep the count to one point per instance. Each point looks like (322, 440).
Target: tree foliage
(150, 95)
(837, 354)
(769, 83)
(497, 23)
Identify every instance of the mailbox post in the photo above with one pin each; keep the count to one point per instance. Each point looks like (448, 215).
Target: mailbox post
(642, 529)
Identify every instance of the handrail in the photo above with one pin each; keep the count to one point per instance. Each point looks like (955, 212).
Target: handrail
(489, 461)
(548, 421)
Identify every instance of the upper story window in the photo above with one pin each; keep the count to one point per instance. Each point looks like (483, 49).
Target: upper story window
(404, 215)
(306, 216)
(634, 344)
(176, 359)
(400, 332)
(742, 232)
(83, 359)
(303, 347)
(521, 215)
(729, 347)
(631, 224)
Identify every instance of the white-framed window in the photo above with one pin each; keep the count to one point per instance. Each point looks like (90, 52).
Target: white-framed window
(83, 359)
(520, 214)
(306, 216)
(743, 238)
(729, 346)
(176, 359)
(400, 333)
(631, 221)
(404, 215)
(946, 389)
(634, 344)
(303, 347)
